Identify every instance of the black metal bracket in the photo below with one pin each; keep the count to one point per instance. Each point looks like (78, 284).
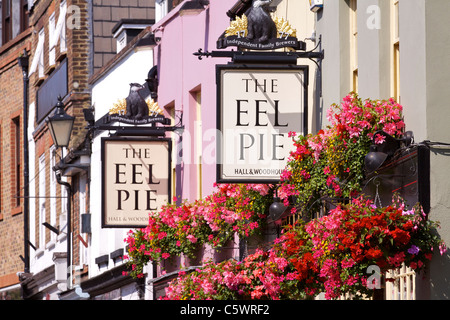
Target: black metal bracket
(137, 131)
(269, 57)
(102, 124)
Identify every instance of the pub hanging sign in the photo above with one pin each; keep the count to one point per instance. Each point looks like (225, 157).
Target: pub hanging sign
(135, 180)
(257, 109)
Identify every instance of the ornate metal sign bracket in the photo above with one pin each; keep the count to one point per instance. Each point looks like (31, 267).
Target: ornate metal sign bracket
(289, 57)
(259, 57)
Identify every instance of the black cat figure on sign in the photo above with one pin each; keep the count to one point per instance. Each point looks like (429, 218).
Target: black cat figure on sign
(261, 27)
(137, 108)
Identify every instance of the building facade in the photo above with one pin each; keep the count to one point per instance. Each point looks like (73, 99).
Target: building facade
(395, 48)
(186, 95)
(55, 241)
(109, 86)
(69, 40)
(15, 42)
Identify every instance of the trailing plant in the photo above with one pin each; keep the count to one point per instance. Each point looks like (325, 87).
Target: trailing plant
(330, 164)
(182, 229)
(335, 254)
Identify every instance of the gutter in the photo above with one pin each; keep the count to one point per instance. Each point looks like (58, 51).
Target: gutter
(23, 63)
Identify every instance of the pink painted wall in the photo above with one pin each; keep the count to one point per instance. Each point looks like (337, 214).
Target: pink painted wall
(181, 74)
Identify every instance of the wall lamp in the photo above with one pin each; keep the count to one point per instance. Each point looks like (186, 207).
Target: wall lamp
(276, 209)
(60, 125)
(379, 153)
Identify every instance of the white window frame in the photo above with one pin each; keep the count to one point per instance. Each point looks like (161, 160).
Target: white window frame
(38, 59)
(199, 141)
(354, 45)
(51, 35)
(395, 50)
(42, 198)
(52, 186)
(60, 29)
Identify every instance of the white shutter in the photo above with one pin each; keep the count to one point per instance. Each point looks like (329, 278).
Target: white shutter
(38, 54)
(60, 26)
(51, 36)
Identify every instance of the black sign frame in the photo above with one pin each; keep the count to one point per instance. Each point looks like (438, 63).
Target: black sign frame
(219, 68)
(103, 172)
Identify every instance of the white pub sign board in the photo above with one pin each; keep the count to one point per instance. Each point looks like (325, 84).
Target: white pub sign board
(136, 178)
(257, 107)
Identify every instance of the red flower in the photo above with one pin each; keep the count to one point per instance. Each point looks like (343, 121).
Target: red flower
(401, 237)
(408, 225)
(374, 253)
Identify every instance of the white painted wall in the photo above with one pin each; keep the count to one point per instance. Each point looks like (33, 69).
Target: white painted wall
(114, 85)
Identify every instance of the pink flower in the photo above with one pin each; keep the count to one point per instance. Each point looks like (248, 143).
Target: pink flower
(442, 248)
(379, 139)
(208, 287)
(348, 263)
(191, 238)
(162, 235)
(165, 255)
(390, 128)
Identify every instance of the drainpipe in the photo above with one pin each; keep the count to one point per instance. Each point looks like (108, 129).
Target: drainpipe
(23, 63)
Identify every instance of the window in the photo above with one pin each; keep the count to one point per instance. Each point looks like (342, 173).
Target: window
(42, 212)
(198, 141)
(60, 29)
(51, 46)
(15, 154)
(395, 44)
(38, 58)
(84, 259)
(23, 15)
(17, 16)
(354, 44)
(6, 21)
(1, 171)
(170, 109)
(53, 184)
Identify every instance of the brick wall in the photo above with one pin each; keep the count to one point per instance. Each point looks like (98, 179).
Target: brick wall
(11, 215)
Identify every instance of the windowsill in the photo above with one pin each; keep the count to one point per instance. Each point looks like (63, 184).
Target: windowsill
(61, 56)
(50, 245)
(49, 69)
(16, 211)
(11, 43)
(39, 253)
(61, 237)
(38, 81)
